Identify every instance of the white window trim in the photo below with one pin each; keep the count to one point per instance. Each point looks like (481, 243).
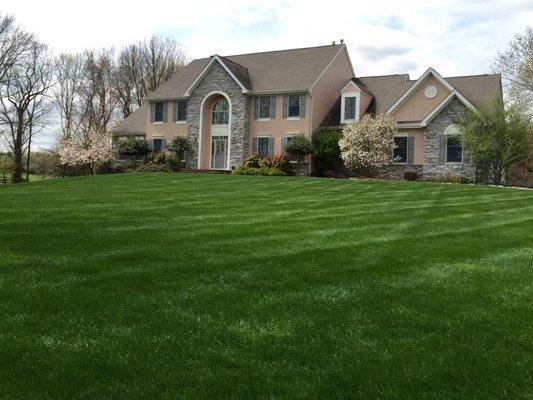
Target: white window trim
(293, 118)
(446, 152)
(263, 119)
(181, 122)
(158, 122)
(407, 135)
(357, 96)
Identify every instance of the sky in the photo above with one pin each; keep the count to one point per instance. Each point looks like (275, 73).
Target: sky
(456, 37)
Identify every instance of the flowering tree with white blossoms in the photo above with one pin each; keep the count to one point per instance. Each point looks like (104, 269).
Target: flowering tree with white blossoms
(93, 148)
(368, 144)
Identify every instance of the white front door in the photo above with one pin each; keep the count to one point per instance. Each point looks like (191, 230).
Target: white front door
(219, 152)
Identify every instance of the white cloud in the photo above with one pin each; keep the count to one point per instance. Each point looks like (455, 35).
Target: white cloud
(454, 36)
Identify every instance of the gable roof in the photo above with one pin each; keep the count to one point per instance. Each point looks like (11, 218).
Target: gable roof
(135, 123)
(266, 72)
(387, 89)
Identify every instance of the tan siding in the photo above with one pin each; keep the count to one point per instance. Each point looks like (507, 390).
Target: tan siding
(417, 106)
(279, 126)
(167, 130)
(328, 88)
(418, 134)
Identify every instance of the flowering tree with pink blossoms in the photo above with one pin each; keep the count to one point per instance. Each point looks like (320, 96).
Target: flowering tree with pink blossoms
(93, 148)
(367, 145)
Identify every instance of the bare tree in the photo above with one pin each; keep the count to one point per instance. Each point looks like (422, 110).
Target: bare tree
(68, 91)
(98, 98)
(516, 66)
(26, 82)
(13, 43)
(144, 66)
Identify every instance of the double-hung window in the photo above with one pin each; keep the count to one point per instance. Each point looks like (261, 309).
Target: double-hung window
(264, 107)
(294, 106)
(263, 144)
(159, 111)
(157, 144)
(180, 111)
(349, 107)
(400, 149)
(454, 150)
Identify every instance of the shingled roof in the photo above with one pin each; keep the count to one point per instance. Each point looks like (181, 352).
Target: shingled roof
(387, 89)
(135, 123)
(271, 71)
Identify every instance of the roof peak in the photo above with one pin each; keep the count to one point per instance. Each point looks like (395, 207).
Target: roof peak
(338, 45)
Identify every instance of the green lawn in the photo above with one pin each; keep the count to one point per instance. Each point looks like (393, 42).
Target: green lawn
(188, 286)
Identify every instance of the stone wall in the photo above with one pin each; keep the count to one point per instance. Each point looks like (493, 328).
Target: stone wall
(432, 164)
(396, 171)
(217, 79)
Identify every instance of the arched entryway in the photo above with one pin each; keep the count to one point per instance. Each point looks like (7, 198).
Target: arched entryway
(215, 132)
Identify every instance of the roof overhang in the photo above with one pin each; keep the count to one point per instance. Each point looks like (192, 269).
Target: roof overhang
(206, 69)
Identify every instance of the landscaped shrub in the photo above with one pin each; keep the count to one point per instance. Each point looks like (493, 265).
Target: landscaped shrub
(133, 148)
(180, 145)
(410, 175)
(161, 162)
(108, 167)
(265, 171)
(299, 147)
(447, 178)
(279, 161)
(327, 153)
(252, 161)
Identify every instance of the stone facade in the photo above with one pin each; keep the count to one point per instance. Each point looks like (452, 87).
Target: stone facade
(433, 165)
(217, 79)
(397, 171)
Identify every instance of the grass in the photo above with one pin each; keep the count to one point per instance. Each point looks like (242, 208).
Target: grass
(188, 286)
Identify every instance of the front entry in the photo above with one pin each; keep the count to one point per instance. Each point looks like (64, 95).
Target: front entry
(219, 152)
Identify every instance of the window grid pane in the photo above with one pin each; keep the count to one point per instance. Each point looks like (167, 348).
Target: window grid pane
(182, 110)
(454, 151)
(294, 105)
(349, 107)
(264, 107)
(158, 114)
(262, 146)
(400, 150)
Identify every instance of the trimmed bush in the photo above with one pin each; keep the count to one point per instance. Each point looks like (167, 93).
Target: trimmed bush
(252, 161)
(327, 159)
(299, 147)
(265, 171)
(410, 175)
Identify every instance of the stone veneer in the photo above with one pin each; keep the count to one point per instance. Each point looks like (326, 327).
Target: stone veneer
(396, 171)
(432, 164)
(217, 79)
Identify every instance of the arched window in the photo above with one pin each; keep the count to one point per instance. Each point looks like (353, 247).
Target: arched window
(221, 112)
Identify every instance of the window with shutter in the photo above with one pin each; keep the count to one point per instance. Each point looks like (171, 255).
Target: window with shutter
(264, 107)
(293, 110)
(159, 111)
(400, 150)
(181, 111)
(263, 145)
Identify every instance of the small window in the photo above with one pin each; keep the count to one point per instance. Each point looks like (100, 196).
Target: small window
(294, 106)
(400, 150)
(157, 145)
(263, 146)
(221, 113)
(264, 107)
(158, 111)
(454, 150)
(182, 110)
(349, 107)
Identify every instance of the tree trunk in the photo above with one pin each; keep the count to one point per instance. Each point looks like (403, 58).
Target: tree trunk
(28, 159)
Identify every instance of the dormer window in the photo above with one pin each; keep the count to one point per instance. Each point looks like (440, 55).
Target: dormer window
(349, 107)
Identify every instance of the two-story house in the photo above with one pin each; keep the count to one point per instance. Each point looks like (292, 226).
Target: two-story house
(232, 106)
